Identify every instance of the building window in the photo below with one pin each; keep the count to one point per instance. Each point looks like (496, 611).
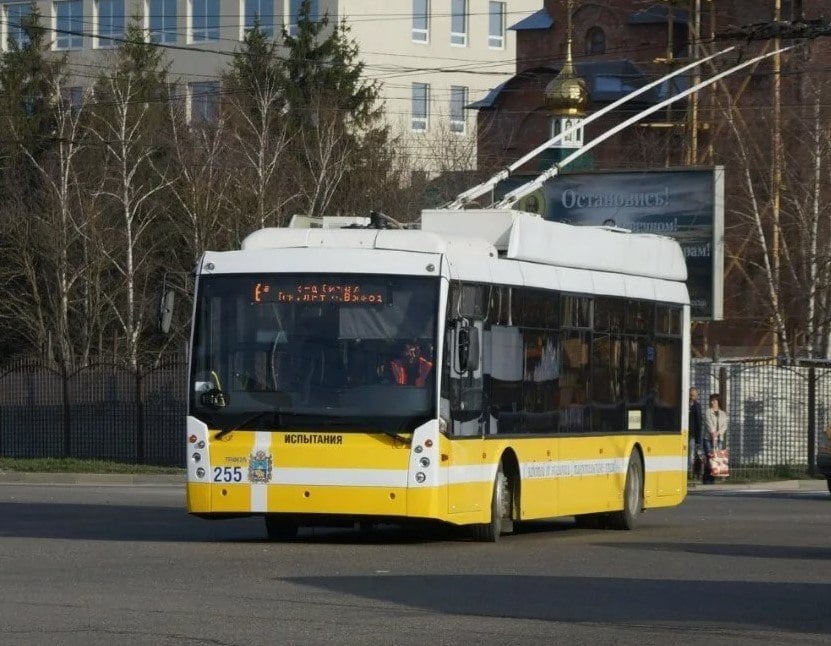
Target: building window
(421, 21)
(458, 22)
(261, 13)
(204, 18)
(69, 24)
(204, 101)
(421, 106)
(109, 22)
(74, 98)
(496, 25)
(15, 20)
(595, 41)
(294, 13)
(458, 101)
(161, 20)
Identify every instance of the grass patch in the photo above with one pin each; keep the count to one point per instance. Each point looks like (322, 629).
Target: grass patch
(71, 465)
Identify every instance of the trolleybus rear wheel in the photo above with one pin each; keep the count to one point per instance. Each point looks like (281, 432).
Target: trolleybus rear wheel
(280, 528)
(627, 518)
(501, 511)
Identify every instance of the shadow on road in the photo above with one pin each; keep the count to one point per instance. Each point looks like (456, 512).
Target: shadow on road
(732, 549)
(598, 599)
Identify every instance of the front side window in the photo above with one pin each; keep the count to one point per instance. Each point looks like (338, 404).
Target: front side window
(69, 24)
(204, 20)
(295, 9)
(161, 21)
(288, 351)
(109, 22)
(421, 21)
(260, 13)
(204, 101)
(420, 107)
(15, 19)
(496, 25)
(458, 100)
(458, 22)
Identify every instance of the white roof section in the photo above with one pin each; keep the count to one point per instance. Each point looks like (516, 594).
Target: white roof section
(389, 239)
(526, 236)
(548, 254)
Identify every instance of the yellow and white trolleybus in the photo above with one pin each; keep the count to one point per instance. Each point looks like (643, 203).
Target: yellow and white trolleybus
(487, 368)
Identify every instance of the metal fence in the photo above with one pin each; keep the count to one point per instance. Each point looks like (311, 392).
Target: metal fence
(775, 413)
(107, 412)
(102, 411)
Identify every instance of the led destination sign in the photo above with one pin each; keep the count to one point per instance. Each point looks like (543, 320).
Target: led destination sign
(319, 292)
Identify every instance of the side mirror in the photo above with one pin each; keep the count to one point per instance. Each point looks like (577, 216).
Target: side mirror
(166, 310)
(468, 348)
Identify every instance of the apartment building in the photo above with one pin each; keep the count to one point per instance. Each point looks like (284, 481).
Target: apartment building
(432, 57)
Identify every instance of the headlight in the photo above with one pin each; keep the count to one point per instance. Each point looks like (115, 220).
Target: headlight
(200, 472)
(418, 449)
(196, 457)
(425, 462)
(200, 444)
(420, 477)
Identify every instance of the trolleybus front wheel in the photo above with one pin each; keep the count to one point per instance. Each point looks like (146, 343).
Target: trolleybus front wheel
(501, 511)
(628, 517)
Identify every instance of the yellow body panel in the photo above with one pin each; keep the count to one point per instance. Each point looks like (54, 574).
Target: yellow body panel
(558, 476)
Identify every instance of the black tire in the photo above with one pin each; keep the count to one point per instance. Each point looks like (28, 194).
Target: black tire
(829, 485)
(628, 517)
(501, 511)
(280, 528)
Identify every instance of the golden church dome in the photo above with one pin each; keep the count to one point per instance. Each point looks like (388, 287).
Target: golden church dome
(567, 93)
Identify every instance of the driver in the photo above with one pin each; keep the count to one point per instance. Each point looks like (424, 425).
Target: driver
(411, 368)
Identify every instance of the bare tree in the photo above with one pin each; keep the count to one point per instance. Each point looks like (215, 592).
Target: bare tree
(261, 139)
(121, 124)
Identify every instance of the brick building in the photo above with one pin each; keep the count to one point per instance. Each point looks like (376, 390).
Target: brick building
(619, 45)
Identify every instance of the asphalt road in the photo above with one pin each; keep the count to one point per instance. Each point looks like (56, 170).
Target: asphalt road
(99, 564)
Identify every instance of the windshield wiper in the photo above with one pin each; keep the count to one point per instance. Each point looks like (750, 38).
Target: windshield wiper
(245, 422)
(336, 421)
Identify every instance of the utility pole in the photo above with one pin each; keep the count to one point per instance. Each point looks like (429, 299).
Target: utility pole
(692, 159)
(776, 171)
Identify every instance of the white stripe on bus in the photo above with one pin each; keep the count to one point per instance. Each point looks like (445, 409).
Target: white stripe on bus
(259, 492)
(551, 469)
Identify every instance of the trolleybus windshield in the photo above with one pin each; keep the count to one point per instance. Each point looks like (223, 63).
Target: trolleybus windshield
(294, 350)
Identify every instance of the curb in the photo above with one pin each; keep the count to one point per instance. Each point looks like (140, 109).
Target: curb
(773, 485)
(11, 477)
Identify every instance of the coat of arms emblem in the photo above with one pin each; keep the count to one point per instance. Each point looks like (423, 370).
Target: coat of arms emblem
(259, 467)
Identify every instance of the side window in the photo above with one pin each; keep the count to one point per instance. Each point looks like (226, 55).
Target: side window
(541, 380)
(638, 363)
(540, 310)
(462, 393)
(667, 369)
(574, 382)
(576, 312)
(608, 409)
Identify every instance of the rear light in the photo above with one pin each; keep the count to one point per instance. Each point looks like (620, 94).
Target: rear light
(428, 443)
(192, 439)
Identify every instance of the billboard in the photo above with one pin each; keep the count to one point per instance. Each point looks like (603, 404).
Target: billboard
(685, 204)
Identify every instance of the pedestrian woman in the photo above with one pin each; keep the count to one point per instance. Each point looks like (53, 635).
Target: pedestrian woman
(715, 430)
